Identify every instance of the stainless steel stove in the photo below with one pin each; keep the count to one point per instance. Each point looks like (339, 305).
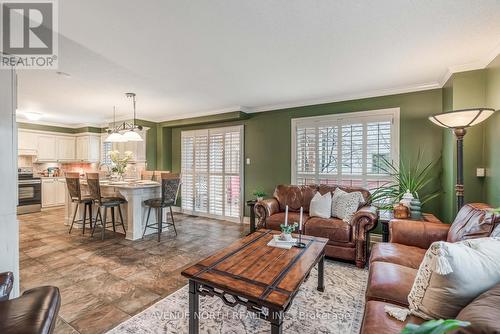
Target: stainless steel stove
(29, 191)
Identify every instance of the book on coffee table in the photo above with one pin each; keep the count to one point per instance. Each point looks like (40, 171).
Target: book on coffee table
(285, 244)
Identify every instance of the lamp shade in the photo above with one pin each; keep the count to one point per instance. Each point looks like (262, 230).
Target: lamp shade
(131, 135)
(115, 137)
(461, 118)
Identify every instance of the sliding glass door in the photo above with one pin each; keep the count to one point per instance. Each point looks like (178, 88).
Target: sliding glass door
(212, 172)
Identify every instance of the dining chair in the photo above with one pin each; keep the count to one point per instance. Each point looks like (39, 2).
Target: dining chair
(170, 185)
(103, 203)
(74, 190)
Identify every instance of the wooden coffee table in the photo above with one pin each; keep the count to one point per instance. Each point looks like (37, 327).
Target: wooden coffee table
(250, 273)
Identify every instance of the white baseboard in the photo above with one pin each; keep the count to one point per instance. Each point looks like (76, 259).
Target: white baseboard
(178, 209)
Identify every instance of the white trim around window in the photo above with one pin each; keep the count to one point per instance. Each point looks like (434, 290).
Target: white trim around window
(351, 141)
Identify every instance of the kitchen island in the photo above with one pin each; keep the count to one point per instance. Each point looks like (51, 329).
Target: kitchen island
(134, 211)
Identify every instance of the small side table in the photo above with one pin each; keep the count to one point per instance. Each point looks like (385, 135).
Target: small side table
(385, 216)
(251, 205)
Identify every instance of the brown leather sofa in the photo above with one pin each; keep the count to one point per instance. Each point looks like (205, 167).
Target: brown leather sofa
(394, 265)
(346, 241)
(35, 312)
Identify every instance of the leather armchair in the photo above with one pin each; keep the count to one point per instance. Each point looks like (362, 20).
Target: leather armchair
(35, 312)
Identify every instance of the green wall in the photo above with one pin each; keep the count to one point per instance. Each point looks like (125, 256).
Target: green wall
(59, 129)
(492, 135)
(268, 136)
(448, 178)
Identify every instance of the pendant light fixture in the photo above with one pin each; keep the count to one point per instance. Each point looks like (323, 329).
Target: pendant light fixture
(130, 134)
(114, 135)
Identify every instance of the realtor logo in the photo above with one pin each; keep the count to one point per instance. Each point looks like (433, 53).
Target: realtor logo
(29, 38)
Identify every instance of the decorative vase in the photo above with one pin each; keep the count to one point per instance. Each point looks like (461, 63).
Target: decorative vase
(286, 236)
(260, 198)
(416, 209)
(401, 211)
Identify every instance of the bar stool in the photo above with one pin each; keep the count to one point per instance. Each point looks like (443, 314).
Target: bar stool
(103, 202)
(152, 175)
(170, 185)
(73, 184)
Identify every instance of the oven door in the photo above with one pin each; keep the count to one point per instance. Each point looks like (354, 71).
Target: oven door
(29, 192)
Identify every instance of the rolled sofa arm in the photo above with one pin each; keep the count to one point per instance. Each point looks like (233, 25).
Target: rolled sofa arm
(264, 209)
(417, 233)
(6, 282)
(363, 221)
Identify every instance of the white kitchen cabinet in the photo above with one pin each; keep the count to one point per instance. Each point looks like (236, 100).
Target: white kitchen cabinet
(138, 148)
(53, 192)
(47, 148)
(65, 148)
(88, 148)
(27, 142)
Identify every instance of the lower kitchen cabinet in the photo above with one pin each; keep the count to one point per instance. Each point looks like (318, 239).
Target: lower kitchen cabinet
(53, 192)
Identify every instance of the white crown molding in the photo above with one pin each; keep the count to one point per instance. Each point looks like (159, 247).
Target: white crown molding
(61, 125)
(204, 113)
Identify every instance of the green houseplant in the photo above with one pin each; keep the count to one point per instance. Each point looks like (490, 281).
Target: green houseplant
(119, 163)
(434, 327)
(259, 194)
(415, 176)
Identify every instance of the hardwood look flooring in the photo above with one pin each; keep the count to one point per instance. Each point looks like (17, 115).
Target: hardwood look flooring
(103, 283)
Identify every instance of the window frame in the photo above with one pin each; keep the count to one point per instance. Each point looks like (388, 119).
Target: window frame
(340, 119)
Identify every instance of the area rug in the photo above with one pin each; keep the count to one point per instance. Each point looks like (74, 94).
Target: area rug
(337, 310)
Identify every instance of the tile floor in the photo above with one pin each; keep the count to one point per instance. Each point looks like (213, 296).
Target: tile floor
(103, 283)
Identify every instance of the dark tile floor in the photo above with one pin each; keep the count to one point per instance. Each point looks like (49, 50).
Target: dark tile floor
(103, 283)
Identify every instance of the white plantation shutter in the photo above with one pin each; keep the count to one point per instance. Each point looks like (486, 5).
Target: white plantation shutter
(346, 149)
(211, 166)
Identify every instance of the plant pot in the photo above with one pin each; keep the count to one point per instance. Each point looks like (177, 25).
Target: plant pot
(286, 236)
(259, 199)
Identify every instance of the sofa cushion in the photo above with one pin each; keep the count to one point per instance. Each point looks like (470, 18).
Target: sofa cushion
(452, 275)
(376, 320)
(483, 313)
(323, 188)
(332, 228)
(294, 196)
(473, 221)
(345, 205)
(321, 206)
(273, 222)
(408, 256)
(390, 282)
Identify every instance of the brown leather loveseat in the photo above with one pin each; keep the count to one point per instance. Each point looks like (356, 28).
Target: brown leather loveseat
(394, 265)
(346, 241)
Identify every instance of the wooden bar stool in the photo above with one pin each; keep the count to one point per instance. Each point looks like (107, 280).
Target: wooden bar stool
(170, 185)
(73, 184)
(103, 203)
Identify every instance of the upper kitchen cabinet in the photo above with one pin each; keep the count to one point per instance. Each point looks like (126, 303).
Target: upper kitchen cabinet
(88, 148)
(138, 148)
(27, 142)
(66, 148)
(46, 148)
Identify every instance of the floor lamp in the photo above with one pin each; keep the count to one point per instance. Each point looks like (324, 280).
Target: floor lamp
(459, 121)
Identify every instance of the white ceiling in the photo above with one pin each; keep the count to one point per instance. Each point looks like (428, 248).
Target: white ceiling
(189, 58)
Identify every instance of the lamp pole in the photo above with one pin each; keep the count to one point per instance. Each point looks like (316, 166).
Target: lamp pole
(459, 187)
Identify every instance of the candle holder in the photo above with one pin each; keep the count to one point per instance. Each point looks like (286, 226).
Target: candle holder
(299, 243)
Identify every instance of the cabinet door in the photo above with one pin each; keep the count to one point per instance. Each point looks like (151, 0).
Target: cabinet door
(48, 192)
(82, 148)
(46, 148)
(27, 140)
(94, 154)
(66, 148)
(60, 191)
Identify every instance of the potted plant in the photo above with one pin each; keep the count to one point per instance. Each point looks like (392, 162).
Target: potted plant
(286, 231)
(119, 163)
(411, 177)
(259, 194)
(434, 327)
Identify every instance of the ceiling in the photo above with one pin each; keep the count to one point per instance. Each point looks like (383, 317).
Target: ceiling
(192, 58)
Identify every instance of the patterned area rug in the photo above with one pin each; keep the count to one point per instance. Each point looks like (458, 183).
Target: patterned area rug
(337, 310)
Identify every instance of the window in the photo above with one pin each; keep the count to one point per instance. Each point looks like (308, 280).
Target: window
(212, 173)
(346, 149)
(106, 147)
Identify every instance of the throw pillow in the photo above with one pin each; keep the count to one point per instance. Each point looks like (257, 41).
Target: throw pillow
(321, 205)
(451, 276)
(345, 205)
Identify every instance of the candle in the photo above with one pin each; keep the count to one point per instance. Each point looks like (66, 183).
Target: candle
(286, 215)
(300, 220)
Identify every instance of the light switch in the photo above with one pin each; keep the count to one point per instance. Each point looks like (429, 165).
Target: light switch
(480, 172)
(248, 161)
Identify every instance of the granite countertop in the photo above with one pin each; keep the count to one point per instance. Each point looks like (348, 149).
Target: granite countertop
(139, 184)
